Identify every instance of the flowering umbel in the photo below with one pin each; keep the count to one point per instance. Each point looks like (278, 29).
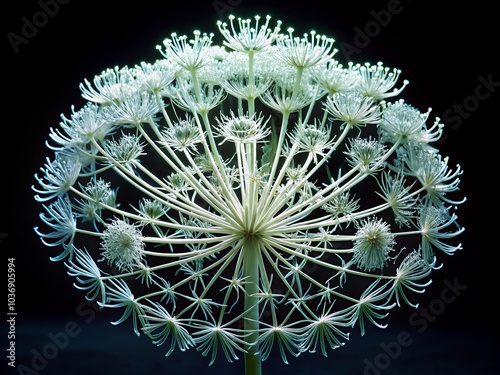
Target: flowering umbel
(249, 197)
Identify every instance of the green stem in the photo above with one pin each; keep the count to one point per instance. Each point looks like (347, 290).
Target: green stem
(251, 323)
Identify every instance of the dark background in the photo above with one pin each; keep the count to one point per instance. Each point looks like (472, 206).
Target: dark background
(445, 52)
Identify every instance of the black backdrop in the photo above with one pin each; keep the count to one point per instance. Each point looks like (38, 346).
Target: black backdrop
(448, 55)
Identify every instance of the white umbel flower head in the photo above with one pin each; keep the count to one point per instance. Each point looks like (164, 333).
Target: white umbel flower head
(182, 136)
(378, 81)
(242, 129)
(248, 39)
(403, 123)
(334, 77)
(122, 245)
(313, 139)
(125, 149)
(58, 177)
(374, 242)
(109, 87)
(353, 109)
(310, 50)
(189, 54)
(248, 196)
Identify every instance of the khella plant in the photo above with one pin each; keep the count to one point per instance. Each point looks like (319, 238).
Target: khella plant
(248, 198)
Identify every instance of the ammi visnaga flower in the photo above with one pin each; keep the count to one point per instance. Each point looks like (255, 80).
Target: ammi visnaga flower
(247, 198)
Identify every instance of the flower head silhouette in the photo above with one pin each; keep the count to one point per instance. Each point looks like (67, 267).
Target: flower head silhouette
(248, 197)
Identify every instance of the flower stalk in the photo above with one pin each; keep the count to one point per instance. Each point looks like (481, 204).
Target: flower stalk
(251, 255)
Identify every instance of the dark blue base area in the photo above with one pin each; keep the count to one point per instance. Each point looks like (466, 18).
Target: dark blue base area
(91, 345)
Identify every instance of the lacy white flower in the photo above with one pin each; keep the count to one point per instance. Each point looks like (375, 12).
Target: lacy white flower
(378, 81)
(373, 244)
(412, 269)
(60, 217)
(189, 54)
(353, 108)
(248, 39)
(235, 197)
(109, 87)
(305, 52)
(242, 129)
(122, 245)
(402, 121)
